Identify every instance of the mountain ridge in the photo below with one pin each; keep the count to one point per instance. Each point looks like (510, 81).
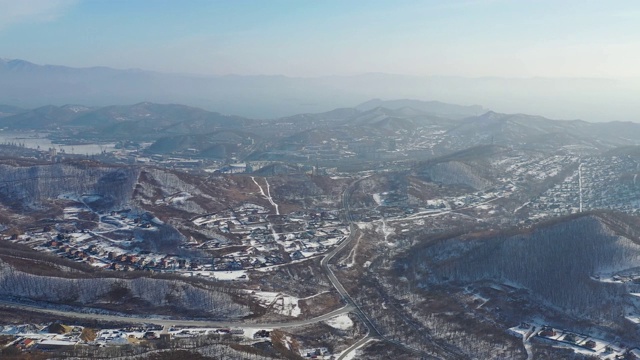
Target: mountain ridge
(432, 107)
(29, 85)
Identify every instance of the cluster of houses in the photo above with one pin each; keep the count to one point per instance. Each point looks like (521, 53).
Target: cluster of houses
(316, 353)
(581, 343)
(56, 336)
(597, 347)
(113, 258)
(263, 240)
(300, 234)
(601, 182)
(522, 168)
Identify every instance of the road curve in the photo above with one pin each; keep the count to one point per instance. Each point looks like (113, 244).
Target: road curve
(184, 322)
(373, 331)
(355, 346)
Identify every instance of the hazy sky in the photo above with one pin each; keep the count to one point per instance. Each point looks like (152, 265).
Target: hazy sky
(519, 38)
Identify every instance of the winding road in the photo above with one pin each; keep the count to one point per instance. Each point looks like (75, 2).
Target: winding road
(184, 322)
(372, 331)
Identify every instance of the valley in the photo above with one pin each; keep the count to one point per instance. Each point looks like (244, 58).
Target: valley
(368, 232)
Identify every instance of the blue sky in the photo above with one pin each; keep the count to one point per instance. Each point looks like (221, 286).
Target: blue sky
(507, 38)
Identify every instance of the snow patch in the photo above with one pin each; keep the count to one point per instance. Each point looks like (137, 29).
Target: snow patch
(341, 322)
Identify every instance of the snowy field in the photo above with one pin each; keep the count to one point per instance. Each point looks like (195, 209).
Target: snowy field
(341, 322)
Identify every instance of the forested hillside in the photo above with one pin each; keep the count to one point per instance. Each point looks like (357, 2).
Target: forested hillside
(558, 263)
(141, 294)
(29, 186)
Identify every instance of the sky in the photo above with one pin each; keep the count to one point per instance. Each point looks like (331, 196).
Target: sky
(469, 38)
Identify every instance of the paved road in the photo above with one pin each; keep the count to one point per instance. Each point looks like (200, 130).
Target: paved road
(372, 330)
(355, 346)
(169, 322)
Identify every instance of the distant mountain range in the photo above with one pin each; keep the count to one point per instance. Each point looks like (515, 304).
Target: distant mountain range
(29, 85)
(181, 119)
(181, 129)
(127, 120)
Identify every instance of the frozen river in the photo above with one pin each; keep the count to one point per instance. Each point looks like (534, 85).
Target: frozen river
(39, 141)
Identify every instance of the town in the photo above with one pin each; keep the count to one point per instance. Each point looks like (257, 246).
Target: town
(260, 237)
